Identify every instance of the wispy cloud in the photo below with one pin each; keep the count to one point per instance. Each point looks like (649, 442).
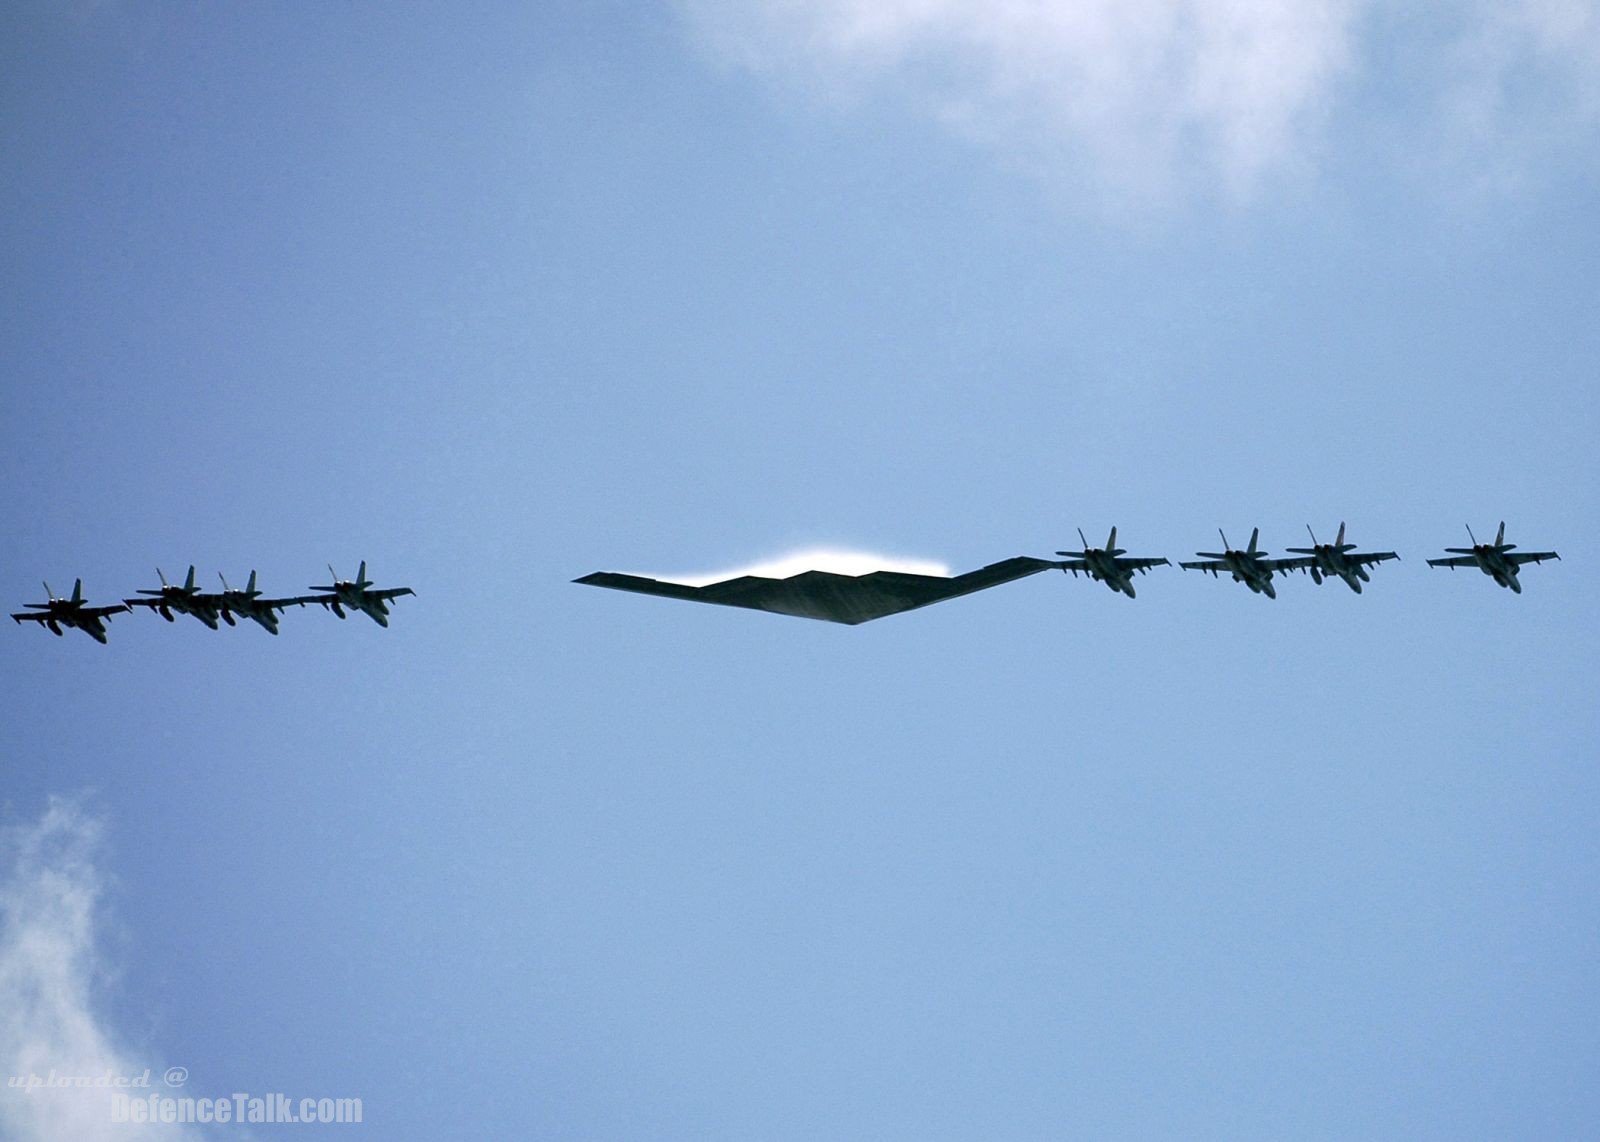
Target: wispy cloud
(1523, 81)
(1144, 90)
(50, 966)
(1146, 99)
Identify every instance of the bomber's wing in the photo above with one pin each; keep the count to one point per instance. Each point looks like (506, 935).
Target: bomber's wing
(1454, 561)
(1371, 558)
(1139, 563)
(848, 599)
(1521, 557)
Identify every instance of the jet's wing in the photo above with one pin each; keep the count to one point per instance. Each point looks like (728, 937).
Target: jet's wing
(390, 593)
(1521, 557)
(1371, 558)
(129, 604)
(1284, 566)
(32, 616)
(1454, 561)
(101, 612)
(1211, 565)
(825, 595)
(1139, 563)
(295, 601)
(1074, 565)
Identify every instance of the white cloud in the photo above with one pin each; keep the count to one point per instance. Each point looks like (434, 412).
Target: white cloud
(50, 967)
(820, 559)
(1140, 100)
(1524, 79)
(1146, 90)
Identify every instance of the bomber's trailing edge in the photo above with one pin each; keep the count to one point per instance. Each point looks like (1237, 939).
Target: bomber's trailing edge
(1499, 560)
(73, 612)
(1110, 564)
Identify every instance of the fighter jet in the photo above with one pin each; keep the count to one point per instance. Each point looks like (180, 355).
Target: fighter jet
(352, 594)
(1251, 567)
(58, 613)
(185, 600)
(248, 604)
(1330, 559)
(1494, 559)
(1106, 564)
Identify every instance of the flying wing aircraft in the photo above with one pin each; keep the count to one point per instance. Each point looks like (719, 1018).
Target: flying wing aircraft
(1251, 567)
(1107, 564)
(248, 604)
(355, 595)
(1499, 559)
(184, 600)
(1330, 559)
(58, 613)
(828, 595)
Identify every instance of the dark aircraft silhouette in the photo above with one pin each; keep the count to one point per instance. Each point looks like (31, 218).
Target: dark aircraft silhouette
(827, 595)
(1106, 564)
(248, 604)
(354, 595)
(185, 600)
(1251, 567)
(58, 613)
(1330, 559)
(1494, 559)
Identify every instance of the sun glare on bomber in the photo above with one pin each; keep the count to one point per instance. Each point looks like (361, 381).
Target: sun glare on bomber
(821, 559)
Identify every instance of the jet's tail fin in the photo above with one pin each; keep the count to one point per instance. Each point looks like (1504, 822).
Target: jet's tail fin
(361, 575)
(250, 587)
(1111, 540)
(1339, 542)
(77, 591)
(1500, 536)
(1255, 534)
(1083, 540)
(48, 593)
(188, 584)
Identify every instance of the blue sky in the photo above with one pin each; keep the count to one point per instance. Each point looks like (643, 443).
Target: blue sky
(495, 300)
